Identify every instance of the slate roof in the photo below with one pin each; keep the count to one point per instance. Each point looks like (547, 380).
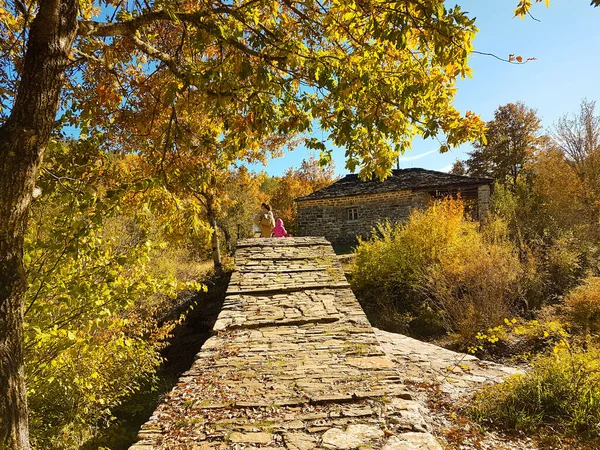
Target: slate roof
(400, 180)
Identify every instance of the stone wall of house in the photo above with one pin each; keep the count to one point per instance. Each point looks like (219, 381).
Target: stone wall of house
(340, 220)
(483, 200)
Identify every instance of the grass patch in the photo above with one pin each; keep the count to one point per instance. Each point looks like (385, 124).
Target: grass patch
(561, 392)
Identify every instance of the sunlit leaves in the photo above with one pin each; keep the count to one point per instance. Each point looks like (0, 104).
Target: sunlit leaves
(524, 6)
(372, 75)
(92, 332)
(389, 67)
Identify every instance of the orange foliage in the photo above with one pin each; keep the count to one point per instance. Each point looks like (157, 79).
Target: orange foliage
(556, 182)
(308, 178)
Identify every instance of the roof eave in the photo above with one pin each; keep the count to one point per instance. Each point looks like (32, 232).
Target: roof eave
(477, 182)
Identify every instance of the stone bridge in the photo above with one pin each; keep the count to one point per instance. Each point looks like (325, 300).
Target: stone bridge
(293, 364)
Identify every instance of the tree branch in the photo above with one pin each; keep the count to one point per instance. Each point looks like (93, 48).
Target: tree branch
(93, 28)
(515, 61)
(165, 58)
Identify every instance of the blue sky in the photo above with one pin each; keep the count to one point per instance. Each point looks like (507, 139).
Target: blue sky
(566, 43)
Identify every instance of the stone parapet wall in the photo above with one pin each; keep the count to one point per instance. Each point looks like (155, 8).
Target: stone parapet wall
(294, 364)
(330, 217)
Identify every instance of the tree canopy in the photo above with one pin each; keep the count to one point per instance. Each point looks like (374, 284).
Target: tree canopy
(512, 138)
(372, 75)
(189, 81)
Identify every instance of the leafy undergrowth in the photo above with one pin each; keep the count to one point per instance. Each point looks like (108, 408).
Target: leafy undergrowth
(514, 341)
(453, 424)
(559, 396)
(186, 342)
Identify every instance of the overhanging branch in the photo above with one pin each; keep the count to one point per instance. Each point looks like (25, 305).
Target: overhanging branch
(93, 28)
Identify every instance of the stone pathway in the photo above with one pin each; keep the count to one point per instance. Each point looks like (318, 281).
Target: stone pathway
(294, 364)
(456, 374)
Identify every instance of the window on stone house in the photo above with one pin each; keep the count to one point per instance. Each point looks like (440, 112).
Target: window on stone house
(352, 213)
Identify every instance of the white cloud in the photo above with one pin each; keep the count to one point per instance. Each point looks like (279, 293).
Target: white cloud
(446, 169)
(415, 157)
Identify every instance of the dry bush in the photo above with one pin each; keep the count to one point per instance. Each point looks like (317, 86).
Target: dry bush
(583, 305)
(442, 269)
(474, 285)
(387, 273)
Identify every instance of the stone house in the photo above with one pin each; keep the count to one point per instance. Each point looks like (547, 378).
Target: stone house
(350, 207)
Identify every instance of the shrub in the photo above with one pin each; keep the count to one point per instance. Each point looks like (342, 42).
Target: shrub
(583, 305)
(396, 254)
(439, 268)
(561, 391)
(556, 253)
(94, 327)
(474, 284)
(561, 265)
(388, 268)
(517, 338)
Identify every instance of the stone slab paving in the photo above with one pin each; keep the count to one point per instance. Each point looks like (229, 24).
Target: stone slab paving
(456, 373)
(294, 364)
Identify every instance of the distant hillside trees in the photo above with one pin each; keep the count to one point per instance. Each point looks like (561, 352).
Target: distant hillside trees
(296, 183)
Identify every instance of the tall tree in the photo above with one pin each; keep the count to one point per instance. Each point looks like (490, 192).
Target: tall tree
(512, 138)
(23, 138)
(372, 74)
(194, 154)
(244, 195)
(564, 205)
(578, 135)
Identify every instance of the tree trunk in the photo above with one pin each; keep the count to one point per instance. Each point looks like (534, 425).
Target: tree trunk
(23, 138)
(228, 237)
(216, 251)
